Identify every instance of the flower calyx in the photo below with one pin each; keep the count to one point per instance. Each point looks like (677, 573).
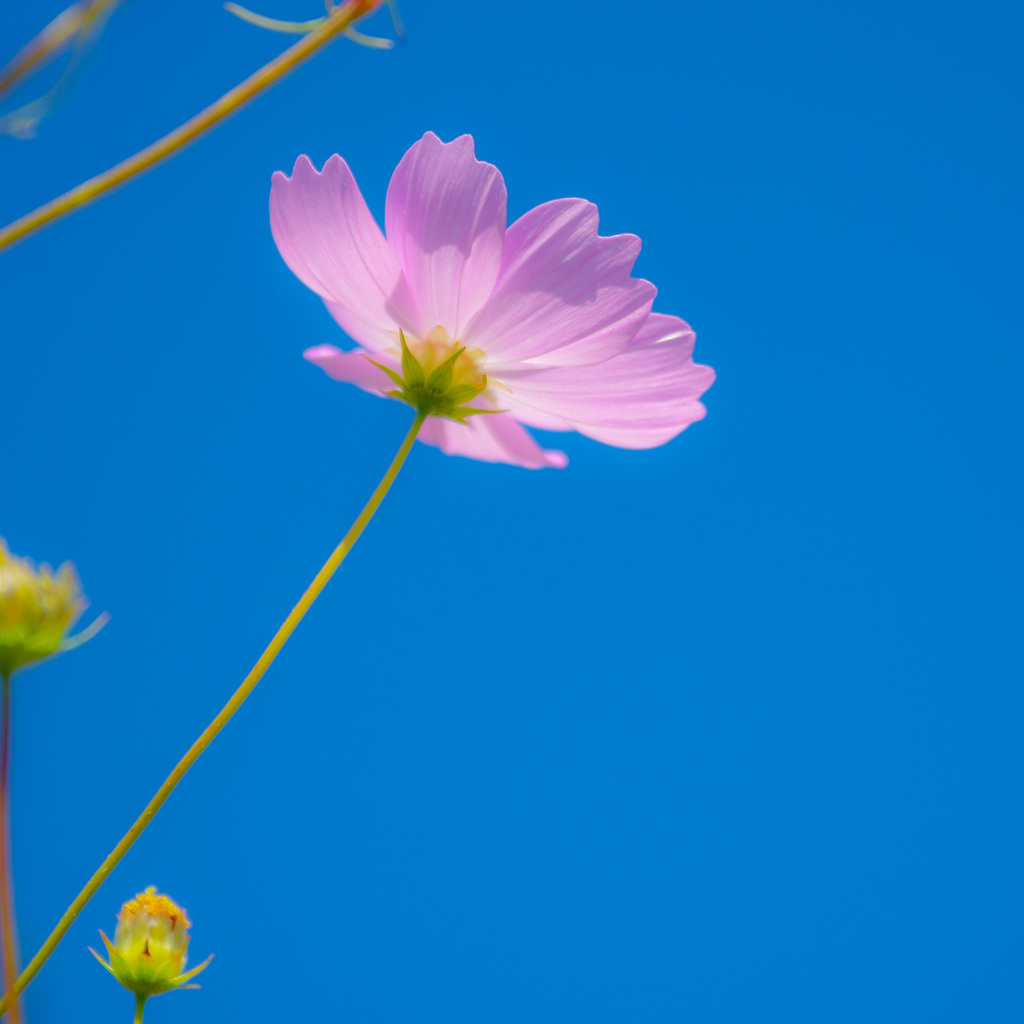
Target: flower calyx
(148, 954)
(443, 389)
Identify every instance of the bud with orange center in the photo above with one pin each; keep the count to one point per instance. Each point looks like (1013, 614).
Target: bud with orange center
(149, 951)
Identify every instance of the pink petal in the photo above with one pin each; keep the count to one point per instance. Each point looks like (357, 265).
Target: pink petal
(490, 439)
(445, 221)
(353, 367)
(330, 241)
(564, 296)
(639, 399)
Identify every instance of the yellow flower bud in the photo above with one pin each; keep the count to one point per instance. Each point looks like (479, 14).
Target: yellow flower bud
(37, 607)
(148, 954)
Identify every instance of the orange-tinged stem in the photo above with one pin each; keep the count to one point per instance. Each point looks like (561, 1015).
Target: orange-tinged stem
(237, 698)
(8, 926)
(339, 20)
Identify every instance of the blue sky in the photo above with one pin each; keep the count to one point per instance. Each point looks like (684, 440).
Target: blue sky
(723, 731)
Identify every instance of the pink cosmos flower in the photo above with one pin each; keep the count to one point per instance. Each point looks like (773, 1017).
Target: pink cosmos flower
(545, 310)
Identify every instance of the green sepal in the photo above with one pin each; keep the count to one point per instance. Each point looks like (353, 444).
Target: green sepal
(387, 369)
(103, 963)
(411, 369)
(440, 379)
(459, 415)
(433, 395)
(182, 978)
(119, 969)
(463, 393)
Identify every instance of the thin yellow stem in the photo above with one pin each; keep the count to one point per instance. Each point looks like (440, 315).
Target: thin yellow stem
(8, 927)
(92, 189)
(243, 691)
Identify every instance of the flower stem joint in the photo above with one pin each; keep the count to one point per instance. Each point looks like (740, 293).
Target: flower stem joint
(148, 954)
(439, 382)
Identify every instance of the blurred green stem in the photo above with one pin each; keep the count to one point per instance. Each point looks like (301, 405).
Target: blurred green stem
(237, 698)
(8, 926)
(336, 23)
(140, 1006)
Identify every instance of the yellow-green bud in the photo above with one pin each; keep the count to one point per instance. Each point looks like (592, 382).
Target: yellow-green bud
(37, 608)
(148, 954)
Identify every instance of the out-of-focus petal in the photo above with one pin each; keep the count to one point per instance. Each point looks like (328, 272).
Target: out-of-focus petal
(491, 439)
(445, 222)
(353, 367)
(564, 296)
(639, 399)
(329, 239)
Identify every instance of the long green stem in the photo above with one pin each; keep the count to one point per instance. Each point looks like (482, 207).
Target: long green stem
(243, 691)
(338, 21)
(8, 926)
(140, 1006)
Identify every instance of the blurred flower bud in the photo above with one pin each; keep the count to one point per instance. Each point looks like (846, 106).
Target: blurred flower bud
(37, 607)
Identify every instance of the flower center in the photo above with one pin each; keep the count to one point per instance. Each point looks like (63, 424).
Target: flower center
(437, 346)
(439, 377)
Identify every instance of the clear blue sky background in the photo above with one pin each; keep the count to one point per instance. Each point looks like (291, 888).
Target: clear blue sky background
(727, 731)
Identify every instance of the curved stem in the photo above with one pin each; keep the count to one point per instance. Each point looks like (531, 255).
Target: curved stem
(8, 927)
(53, 39)
(237, 698)
(140, 1006)
(85, 193)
